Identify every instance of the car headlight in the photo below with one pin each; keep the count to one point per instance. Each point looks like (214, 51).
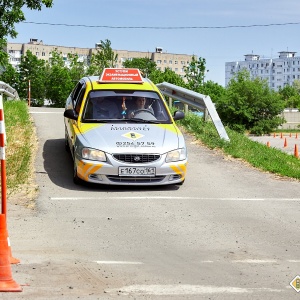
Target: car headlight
(93, 154)
(176, 155)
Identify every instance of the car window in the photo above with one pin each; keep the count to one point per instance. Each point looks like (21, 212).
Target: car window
(78, 100)
(125, 105)
(76, 91)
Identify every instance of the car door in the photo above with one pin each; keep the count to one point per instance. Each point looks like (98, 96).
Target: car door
(74, 102)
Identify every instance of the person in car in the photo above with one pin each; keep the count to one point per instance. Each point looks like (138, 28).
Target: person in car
(104, 108)
(140, 104)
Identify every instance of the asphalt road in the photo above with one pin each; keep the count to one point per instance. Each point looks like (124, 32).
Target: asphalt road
(230, 232)
(286, 142)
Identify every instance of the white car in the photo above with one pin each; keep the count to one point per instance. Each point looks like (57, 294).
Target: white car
(114, 141)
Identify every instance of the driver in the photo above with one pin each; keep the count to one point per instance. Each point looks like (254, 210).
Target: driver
(140, 105)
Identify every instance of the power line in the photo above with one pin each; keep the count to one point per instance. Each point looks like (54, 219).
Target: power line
(164, 27)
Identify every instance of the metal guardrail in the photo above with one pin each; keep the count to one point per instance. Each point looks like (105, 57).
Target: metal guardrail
(195, 100)
(8, 90)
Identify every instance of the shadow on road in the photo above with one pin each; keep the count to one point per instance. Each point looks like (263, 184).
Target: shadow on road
(58, 164)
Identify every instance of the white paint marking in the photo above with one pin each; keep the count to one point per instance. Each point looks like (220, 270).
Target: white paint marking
(46, 112)
(256, 261)
(293, 260)
(185, 289)
(177, 198)
(107, 262)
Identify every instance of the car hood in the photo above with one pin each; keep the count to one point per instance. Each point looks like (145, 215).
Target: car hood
(120, 138)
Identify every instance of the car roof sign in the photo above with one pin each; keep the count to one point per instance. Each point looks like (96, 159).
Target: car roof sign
(121, 75)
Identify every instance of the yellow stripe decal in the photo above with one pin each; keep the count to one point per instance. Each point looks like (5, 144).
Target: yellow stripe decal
(85, 169)
(179, 169)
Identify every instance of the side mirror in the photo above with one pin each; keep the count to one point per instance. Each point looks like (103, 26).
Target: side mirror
(71, 114)
(178, 115)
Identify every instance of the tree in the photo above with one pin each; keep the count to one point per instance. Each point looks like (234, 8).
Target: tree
(76, 67)
(104, 58)
(33, 69)
(250, 104)
(59, 82)
(145, 65)
(291, 95)
(195, 74)
(212, 89)
(11, 13)
(10, 76)
(157, 76)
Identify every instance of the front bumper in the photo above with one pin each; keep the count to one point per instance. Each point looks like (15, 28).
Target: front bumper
(107, 172)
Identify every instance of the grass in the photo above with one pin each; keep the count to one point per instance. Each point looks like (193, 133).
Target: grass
(240, 146)
(20, 143)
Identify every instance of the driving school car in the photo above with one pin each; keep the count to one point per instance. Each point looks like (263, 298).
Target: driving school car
(114, 140)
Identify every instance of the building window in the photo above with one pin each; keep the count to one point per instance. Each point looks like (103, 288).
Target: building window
(37, 53)
(176, 62)
(43, 54)
(170, 61)
(158, 61)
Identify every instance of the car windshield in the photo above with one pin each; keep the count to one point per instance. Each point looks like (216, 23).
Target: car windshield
(120, 106)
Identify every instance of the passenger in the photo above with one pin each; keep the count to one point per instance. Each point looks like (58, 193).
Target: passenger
(140, 103)
(104, 108)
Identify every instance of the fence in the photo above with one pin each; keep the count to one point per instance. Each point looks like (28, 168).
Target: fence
(292, 118)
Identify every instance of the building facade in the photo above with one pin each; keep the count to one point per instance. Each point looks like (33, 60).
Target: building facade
(176, 62)
(278, 72)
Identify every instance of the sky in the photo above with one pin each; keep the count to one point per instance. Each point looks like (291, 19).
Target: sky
(224, 28)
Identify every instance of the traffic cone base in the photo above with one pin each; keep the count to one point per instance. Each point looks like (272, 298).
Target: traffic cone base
(7, 284)
(10, 286)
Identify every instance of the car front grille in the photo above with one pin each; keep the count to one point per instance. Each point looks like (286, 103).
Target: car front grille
(133, 179)
(136, 158)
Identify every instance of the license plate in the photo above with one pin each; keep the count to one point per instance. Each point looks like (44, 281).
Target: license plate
(136, 171)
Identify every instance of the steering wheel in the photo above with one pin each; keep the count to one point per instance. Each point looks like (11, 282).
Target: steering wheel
(144, 110)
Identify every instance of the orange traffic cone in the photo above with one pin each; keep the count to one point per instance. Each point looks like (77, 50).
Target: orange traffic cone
(296, 136)
(274, 135)
(281, 135)
(296, 154)
(7, 284)
(290, 134)
(13, 260)
(268, 144)
(285, 143)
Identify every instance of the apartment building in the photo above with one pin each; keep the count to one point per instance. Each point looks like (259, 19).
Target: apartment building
(163, 60)
(278, 72)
